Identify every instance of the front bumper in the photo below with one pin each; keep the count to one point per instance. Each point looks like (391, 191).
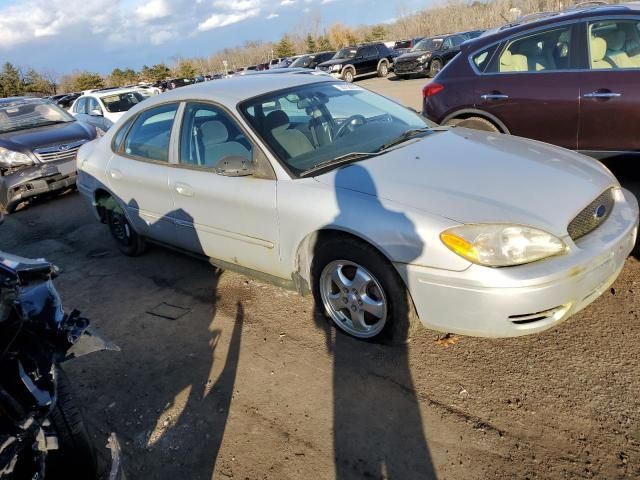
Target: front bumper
(35, 180)
(514, 301)
(408, 68)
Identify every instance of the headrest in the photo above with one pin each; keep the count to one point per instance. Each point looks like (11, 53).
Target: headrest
(598, 49)
(214, 131)
(277, 120)
(615, 39)
(505, 59)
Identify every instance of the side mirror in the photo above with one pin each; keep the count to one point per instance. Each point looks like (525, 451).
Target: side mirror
(96, 113)
(235, 166)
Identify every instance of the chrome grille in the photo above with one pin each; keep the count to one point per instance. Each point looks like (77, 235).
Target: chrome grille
(592, 216)
(58, 152)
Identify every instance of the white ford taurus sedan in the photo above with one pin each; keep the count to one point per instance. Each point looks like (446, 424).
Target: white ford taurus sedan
(326, 187)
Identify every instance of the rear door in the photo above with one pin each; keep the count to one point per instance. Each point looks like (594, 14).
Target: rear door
(531, 85)
(610, 90)
(138, 173)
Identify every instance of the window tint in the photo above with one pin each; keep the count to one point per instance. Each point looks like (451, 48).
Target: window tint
(547, 50)
(448, 43)
(458, 40)
(614, 44)
(149, 136)
(117, 138)
(81, 106)
(92, 104)
(482, 59)
(208, 135)
(382, 50)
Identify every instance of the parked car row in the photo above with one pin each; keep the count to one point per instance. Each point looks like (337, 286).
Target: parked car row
(569, 78)
(429, 55)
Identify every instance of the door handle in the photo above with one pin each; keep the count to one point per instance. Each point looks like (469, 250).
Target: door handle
(494, 96)
(184, 189)
(115, 174)
(602, 94)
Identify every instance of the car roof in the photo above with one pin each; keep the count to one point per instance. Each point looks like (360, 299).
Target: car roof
(534, 20)
(112, 91)
(231, 91)
(8, 100)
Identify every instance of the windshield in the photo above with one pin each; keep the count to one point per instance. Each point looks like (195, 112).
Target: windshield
(302, 62)
(346, 53)
(30, 113)
(121, 102)
(309, 125)
(427, 44)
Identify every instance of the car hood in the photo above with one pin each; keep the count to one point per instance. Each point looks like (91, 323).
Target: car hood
(470, 176)
(412, 55)
(335, 61)
(45, 136)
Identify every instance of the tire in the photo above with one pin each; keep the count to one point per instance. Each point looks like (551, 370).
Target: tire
(129, 242)
(435, 67)
(75, 458)
(475, 123)
(383, 69)
(348, 75)
(353, 255)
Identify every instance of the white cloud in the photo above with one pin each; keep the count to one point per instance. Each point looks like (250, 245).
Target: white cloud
(222, 20)
(153, 9)
(271, 16)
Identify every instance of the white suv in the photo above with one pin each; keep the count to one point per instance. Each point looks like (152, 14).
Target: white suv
(102, 108)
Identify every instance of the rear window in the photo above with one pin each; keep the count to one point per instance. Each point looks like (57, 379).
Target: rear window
(482, 59)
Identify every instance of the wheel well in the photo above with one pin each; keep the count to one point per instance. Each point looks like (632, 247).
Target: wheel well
(465, 115)
(101, 203)
(305, 254)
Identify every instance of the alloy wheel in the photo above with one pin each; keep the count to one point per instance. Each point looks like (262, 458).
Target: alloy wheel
(353, 298)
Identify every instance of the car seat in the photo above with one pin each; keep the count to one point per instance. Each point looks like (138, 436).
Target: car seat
(510, 62)
(293, 142)
(616, 53)
(536, 58)
(216, 144)
(598, 54)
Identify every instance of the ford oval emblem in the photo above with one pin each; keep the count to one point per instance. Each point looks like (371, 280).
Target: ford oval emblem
(63, 148)
(600, 212)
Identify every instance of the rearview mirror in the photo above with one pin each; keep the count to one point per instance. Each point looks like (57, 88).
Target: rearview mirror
(95, 113)
(235, 166)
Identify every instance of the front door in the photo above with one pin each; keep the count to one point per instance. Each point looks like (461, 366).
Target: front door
(532, 87)
(610, 91)
(233, 219)
(138, 173)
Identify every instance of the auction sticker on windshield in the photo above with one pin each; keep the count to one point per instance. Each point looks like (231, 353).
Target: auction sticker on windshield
(348, 87)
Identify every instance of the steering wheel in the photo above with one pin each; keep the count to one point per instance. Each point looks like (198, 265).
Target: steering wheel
(349, 124)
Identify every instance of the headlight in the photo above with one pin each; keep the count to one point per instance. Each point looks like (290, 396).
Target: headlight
(99, 132)
(501, 245)
(336, 68)
(424, 58)
(9, 158)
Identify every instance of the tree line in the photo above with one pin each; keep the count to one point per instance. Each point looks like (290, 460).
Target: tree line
(309, 37)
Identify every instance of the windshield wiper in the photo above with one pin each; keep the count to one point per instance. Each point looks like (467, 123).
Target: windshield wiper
(341, 160)
(408, 135)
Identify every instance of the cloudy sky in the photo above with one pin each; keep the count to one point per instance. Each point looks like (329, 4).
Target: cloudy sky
(98, 35)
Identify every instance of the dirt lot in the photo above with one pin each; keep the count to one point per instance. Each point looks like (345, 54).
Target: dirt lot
(243, 382)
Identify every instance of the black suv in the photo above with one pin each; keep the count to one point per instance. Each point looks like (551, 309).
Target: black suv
(359, 61)
(429, 55)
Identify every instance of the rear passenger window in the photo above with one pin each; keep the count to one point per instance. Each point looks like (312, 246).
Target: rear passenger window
(150, 134)
(483, 58)
(547, 50)
(117, 138)
(614, 44)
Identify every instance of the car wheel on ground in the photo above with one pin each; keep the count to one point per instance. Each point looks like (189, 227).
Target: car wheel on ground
(348, 75)
(127, 239)
(476, 123)
(360, 292)
(383, 69)
(435, 67)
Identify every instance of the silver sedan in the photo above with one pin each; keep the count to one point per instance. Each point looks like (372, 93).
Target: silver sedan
(328, 188)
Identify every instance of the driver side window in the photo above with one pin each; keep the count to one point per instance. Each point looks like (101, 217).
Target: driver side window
(208, 135)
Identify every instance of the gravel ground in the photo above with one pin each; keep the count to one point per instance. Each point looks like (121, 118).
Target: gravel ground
(221, 376)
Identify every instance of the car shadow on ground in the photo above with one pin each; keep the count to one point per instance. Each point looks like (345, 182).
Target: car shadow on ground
(378, 431)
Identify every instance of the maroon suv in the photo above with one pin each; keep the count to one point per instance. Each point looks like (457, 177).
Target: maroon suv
(570, 78)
